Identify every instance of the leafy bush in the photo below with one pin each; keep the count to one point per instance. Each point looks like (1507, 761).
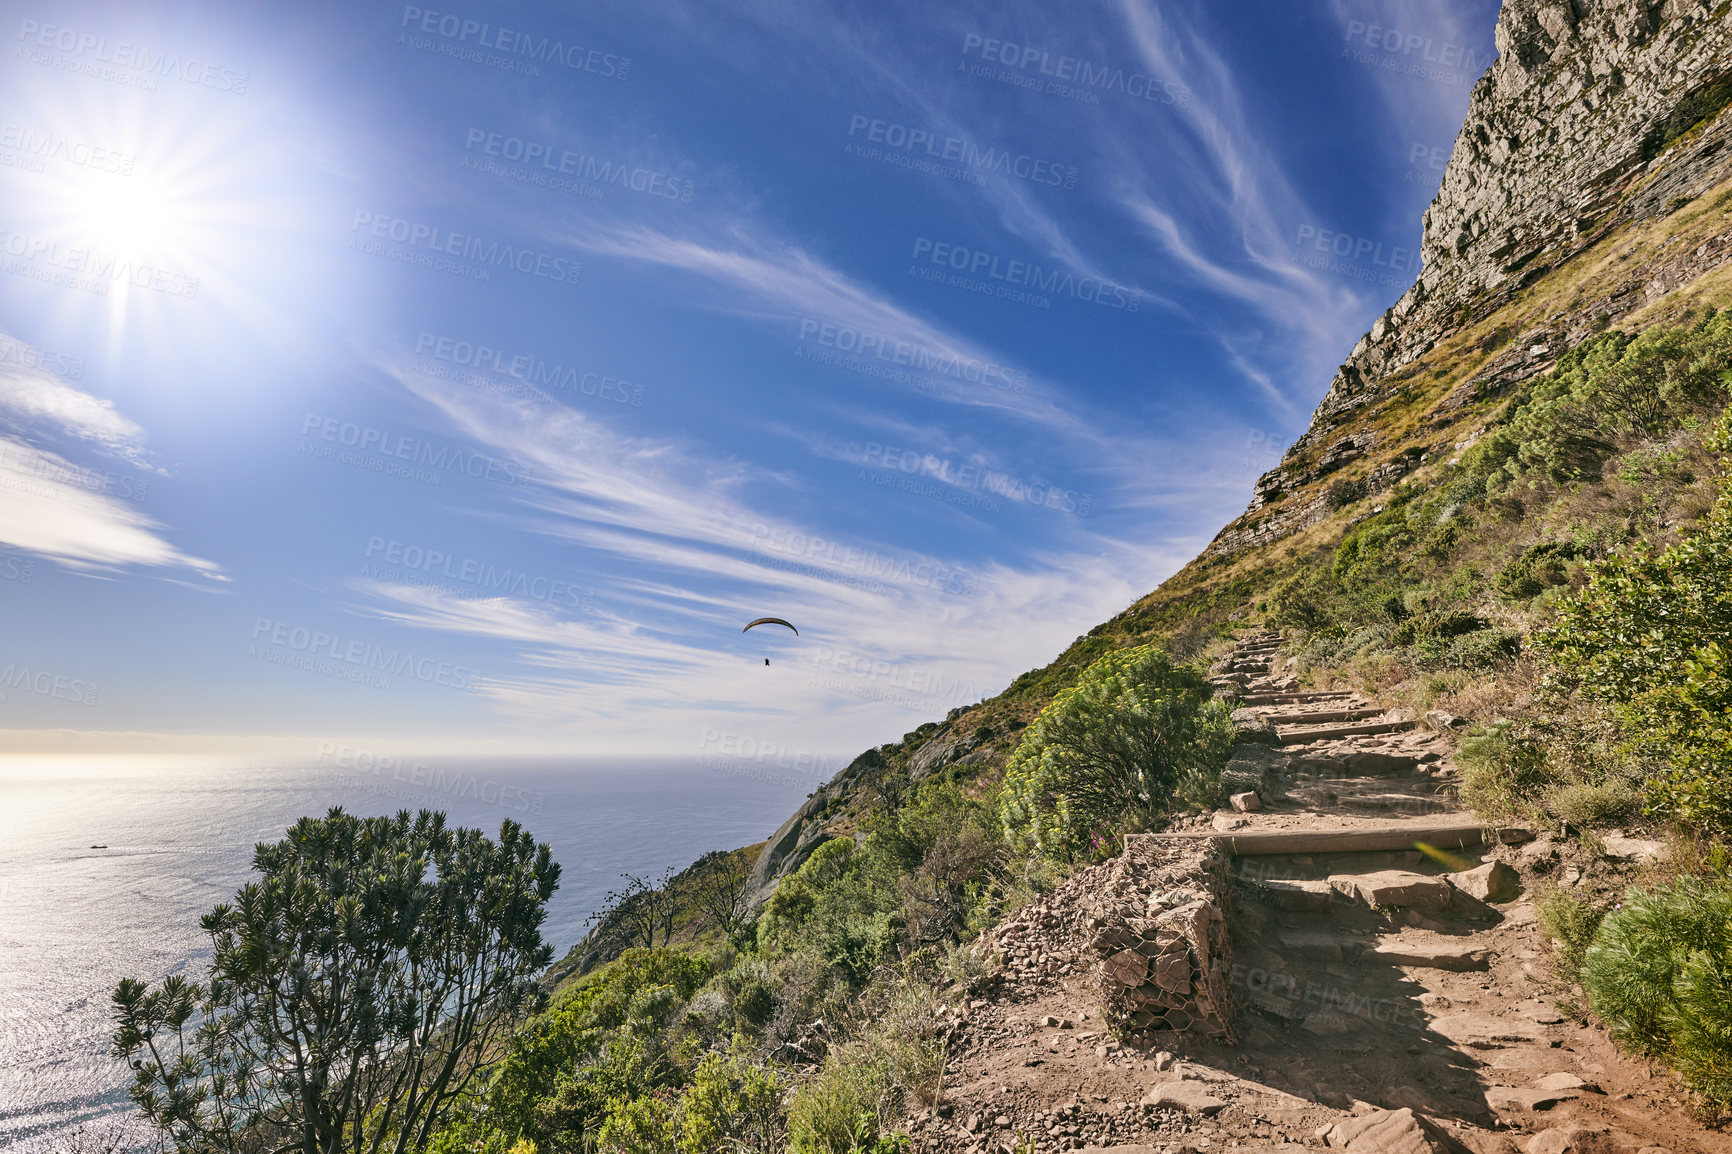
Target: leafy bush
(830, 910)
(602, 1041)
(909, 884)
(1111, 750)
(1536, 569)
(1648, 637)
(1659, 974)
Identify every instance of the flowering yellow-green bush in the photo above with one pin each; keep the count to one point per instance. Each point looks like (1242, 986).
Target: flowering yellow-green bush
(1112, 752)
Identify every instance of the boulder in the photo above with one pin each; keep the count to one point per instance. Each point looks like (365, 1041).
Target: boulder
(1390, 1132)
(938, 753)
(1190, 1097)
(787, 850)
(1573, 1140)
(1395, 888)
(1255, 728)
(1247, 802)
(1491, 882)
(1444, 722)
(1633, 847)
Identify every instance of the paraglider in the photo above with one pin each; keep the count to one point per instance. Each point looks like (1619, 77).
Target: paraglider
(770, 621)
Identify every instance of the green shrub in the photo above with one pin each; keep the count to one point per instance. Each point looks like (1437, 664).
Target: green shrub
(1110, 751)
(842, 1109)
(1481, 650)
(1588, 805)
(831, 910)
(732, 1104)
(1659, 974)
(1647, 637)
(1536, 569)
(1503, 769)
(1570, 920)
(601, 1039)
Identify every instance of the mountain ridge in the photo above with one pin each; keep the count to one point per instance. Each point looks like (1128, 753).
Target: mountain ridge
(1624, 99)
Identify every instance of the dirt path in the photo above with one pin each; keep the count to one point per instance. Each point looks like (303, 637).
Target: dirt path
(1383, 1005)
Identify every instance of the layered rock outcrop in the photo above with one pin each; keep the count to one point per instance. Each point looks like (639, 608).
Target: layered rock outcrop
(1595, 114)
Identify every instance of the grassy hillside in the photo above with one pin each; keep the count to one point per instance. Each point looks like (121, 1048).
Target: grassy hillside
(1523, 484)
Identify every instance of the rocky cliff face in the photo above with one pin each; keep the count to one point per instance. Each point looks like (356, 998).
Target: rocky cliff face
(1596, 114)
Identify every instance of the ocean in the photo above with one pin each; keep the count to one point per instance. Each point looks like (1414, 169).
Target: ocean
(176, 837)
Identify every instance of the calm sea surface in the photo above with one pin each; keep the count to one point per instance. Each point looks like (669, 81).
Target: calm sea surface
(179, 836)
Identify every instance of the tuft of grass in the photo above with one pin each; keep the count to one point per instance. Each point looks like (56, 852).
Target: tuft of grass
(1570, 920)
(1590, 805)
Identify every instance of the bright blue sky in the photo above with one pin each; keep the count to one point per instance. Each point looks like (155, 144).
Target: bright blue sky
(257, 484)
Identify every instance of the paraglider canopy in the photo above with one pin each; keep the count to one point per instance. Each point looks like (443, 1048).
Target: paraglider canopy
(770, 621)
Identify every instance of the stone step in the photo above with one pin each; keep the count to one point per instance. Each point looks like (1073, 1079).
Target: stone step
(1297, 698)
(1432, 955)
(1321, 945)
(1394, 803)
(1357, 764)
(1444, 832)
(1330, 733)
(1399, 889)
(1319, 716)
(1293, 895)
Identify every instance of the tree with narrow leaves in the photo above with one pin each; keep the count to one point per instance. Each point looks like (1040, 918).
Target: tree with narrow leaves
(715, 886)
(355, 991)
(642, 911)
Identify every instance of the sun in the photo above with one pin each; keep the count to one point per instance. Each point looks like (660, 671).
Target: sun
(127, 217)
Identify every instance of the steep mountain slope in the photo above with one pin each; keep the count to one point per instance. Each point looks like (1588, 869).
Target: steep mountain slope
(1341, 955)
(1588, 190)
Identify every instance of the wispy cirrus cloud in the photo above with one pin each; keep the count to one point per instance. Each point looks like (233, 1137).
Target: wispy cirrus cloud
(61, 510)
(55, 509)
(693, 549)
